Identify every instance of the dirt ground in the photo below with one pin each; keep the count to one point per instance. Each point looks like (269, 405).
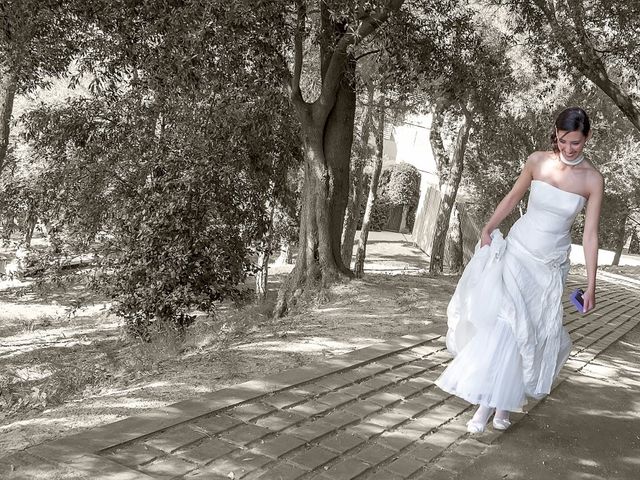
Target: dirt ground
(66, 365)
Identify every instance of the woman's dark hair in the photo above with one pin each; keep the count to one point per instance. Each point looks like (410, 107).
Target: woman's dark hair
(570, 120)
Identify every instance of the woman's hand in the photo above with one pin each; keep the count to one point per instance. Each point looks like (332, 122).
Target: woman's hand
(589, 300)
(485, 238)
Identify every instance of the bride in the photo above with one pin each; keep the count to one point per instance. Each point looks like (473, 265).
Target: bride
(505, 317)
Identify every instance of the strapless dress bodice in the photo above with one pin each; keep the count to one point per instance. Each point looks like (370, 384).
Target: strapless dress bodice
(545, 229)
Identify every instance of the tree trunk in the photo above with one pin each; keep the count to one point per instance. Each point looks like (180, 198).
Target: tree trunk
(373, 196)
(316, 263)
(352, 214)
(634, 244)
(8, 227)
(262, 275)
(623, 101)
(435, 139)
(403, 220)
(30, 227)
(620, 240)
(8, 86)
(449, 192)
(338, 139)
(455, 242)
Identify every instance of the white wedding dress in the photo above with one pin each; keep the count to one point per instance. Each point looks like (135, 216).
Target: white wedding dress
(505, 318)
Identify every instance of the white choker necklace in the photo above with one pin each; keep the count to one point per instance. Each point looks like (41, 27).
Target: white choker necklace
(571, 163)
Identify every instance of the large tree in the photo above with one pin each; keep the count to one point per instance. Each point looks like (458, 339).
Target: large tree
(399, 39)
(174, 156)
(327, 125)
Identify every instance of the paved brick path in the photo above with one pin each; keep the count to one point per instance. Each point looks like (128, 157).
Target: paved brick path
(370, 414)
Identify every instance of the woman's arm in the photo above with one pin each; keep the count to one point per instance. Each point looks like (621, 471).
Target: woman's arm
(590, 239)
(508, 203)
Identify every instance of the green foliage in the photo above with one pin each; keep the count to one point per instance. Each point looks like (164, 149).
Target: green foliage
(609, 227)
(610, 25)
(502, 140)
(598, 39)
(399, 185)
(166, 167)
(427, 35)
(380, 214)
(615, 150)
(38, 40)
(188, 249)
(169, 211)
(501, 147)
(496, 156)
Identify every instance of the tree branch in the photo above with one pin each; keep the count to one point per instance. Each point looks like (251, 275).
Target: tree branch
(301, 14)
(466, 111)
(367, 123)
(577, 14)
(565, 36)
(371, 52)
(588, 62)
(339, 58)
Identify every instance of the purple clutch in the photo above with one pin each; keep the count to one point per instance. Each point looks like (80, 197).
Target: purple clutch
(576, 299)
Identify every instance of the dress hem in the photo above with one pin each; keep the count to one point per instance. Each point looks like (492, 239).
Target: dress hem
(477, 400)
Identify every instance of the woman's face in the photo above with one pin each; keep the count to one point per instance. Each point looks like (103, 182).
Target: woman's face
(571, 144)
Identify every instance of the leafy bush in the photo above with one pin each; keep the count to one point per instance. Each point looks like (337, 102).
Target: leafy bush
(171, 211)
(182, 257)
(381, 213)
(401, 185)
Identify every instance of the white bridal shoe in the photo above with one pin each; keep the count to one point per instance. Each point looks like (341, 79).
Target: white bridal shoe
(501, 423)
(478, 425)
(475, 427)
(501, 420)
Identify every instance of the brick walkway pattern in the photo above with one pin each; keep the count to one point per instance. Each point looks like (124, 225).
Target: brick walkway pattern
(370, 414)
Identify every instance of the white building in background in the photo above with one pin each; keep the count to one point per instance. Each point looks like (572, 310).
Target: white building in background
(408, 142)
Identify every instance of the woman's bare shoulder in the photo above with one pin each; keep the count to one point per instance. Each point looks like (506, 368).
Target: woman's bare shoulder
(594, 179)
(538, 158)
(541, 156)
(591, 178)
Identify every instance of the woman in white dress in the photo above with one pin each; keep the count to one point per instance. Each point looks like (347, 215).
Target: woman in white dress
(505, 317)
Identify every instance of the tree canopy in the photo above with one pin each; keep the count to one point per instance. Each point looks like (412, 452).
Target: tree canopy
(198, 117)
